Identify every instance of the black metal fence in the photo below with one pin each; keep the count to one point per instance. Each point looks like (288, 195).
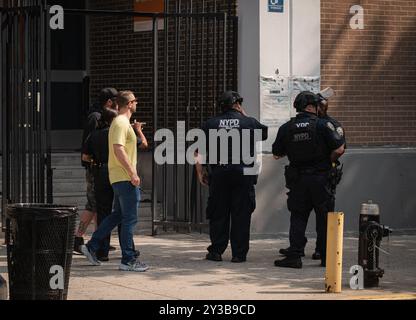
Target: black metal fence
(202, 46)
(25, 105)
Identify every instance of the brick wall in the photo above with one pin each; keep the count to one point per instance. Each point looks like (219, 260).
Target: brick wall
(122, 58)
(373, 71)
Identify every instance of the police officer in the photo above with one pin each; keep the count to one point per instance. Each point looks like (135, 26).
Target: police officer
(312, 145)
(336, 170)
(231, 187)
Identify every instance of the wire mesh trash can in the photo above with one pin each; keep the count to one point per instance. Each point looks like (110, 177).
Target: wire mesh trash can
(40, 241)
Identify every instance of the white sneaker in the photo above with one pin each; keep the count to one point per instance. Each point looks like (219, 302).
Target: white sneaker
(133, 266)
(90, 256)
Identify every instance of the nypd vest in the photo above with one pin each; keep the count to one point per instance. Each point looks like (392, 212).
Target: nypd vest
(304, 148)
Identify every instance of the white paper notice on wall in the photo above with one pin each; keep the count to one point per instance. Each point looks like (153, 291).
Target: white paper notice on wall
(276, 105)
(274, 100)
(305, 83)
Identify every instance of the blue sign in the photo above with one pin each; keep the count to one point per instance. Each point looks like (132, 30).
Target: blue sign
(276, 5)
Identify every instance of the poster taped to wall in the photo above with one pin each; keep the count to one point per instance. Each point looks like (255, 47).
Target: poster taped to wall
(276, 105)
(274, 100)
(144, 23)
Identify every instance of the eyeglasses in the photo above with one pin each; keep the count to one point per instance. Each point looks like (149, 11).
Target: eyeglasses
(135, 100)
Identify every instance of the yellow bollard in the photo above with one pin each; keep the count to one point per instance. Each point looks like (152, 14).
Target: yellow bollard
(335, 232)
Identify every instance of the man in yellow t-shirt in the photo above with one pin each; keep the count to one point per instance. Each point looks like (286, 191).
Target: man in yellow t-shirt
(122, 160)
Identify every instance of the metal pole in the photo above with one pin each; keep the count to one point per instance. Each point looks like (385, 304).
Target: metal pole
(42, 110)
(25, 106)
(188, 102)
(155, 118)
(333, 275)
(48, 159)
(30, 98)
(177, 44)
(202, 99)
(166, 101)
(3, 127)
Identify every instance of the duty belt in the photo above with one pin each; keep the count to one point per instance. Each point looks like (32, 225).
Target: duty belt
(312, 171)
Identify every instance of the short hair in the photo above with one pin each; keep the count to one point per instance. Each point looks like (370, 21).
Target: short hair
(107, 117)
(123, 98)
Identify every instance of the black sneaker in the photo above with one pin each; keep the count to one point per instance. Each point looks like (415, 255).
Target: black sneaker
(213, 256)
(78, 242)
(288, 251)
(103, 258)
(238, 259)
(289, 262)
(316, 255)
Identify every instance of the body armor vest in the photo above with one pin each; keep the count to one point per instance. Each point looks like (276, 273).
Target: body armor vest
(303, 146)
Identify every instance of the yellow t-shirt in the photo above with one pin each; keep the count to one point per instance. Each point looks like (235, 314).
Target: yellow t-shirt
(121, 132)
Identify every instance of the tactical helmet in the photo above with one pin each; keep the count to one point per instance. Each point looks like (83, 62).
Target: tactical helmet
(304, 99)
(229, 98)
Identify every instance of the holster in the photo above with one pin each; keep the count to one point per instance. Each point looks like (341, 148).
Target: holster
(291, 176)
(335, 176)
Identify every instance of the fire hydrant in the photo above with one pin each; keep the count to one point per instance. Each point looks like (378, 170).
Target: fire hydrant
(371, 234)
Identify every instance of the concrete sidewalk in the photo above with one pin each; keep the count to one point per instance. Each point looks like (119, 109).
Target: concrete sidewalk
(179, 271)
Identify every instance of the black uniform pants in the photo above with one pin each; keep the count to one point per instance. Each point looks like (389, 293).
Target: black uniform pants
(104, 198)
(319, 235)
(230, 205)
(310, 191)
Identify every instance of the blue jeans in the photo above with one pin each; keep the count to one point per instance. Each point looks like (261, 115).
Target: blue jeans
(125, 205)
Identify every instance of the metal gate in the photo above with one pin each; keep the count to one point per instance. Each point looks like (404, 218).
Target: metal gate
(194, 61)
(24, 99)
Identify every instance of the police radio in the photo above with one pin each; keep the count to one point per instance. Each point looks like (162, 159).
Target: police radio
(371, 234)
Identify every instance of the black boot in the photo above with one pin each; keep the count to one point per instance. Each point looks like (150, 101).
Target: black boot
(213, 256)
(78, 242)
(289, 251)
(237, 259)
(289, 262)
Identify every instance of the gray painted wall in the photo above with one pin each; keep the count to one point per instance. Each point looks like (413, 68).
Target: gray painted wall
(249, 55)
(386, 176)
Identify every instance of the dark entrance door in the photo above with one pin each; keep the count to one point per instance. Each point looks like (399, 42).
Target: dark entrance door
(69, 99)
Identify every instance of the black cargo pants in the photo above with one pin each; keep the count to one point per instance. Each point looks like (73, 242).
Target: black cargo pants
(310, 192)
(230, 205)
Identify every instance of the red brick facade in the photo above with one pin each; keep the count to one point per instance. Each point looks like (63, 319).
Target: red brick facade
(372, 70)
(123, 58)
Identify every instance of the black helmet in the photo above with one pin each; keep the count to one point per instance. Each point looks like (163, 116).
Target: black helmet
(304, 99)
(228, 99)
